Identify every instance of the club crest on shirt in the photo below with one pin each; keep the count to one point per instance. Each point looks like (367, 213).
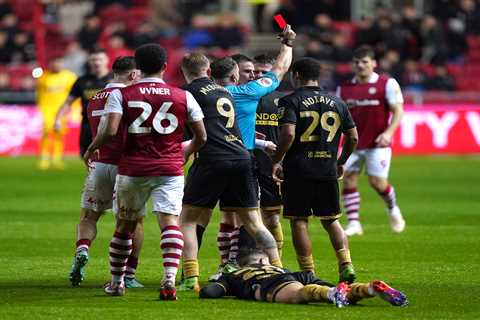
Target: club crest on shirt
(372, 90)
(281, 112)
(265, 82)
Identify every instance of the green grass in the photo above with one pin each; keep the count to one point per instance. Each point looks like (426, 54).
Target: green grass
(435, 261)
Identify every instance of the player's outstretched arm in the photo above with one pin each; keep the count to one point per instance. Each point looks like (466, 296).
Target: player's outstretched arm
(198, 140)
(213, 291)
(62, 112)
(285, 56)
(385, 138)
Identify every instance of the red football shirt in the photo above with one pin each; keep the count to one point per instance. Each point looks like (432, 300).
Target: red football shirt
(111, 152)
(369, 104)
(154, 116)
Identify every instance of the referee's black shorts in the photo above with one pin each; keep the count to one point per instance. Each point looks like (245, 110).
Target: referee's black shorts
(232, 182)
(305, 197)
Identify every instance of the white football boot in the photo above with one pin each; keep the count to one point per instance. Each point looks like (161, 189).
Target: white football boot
(354, 228)
(396, 219)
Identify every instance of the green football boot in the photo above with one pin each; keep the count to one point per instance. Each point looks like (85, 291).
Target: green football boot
(132, 283)
(77, 273)
(189, 284)
(230, 266)
(347, 273)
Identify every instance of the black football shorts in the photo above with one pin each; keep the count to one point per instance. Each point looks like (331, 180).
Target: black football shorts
(231, 182)
(304, 197)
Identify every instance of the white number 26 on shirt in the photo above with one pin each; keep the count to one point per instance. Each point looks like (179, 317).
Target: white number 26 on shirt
(162, 114)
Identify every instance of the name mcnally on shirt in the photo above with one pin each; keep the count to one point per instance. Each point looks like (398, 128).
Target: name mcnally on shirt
(318, 99)
(211, 87)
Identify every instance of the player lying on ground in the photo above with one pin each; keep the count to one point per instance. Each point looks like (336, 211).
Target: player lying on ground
(154, 115)
(97, 193)
(260, 281)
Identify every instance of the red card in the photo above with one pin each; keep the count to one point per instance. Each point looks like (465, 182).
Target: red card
(280, 21)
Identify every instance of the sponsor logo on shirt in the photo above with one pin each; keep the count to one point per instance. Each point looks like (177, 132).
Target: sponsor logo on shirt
(265, 82)
(362, 103)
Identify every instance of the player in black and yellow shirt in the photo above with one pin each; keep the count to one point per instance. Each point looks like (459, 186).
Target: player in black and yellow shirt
(84, 88)
(221, 172)
(257, 280)
(311, 124)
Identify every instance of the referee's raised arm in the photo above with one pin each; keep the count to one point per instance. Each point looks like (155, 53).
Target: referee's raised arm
(285, 56)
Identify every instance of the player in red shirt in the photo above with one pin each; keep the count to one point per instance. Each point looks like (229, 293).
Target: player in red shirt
(153, 115)
(372, 99)
(98, 190)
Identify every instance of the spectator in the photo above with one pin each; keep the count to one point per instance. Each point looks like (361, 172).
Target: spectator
(199, 35)
(227, 33)
(390, 64)
(432, 40)
(316, 49)
(412, 78)
(22, 48)
(10, 25)
(410, 24)
(4, 81)
(441, 80)
(116, 48)
(5, 8)
(341, 52)
(322, 28)
(75, 58)
(146, 33)
(4, 48)
(90, 32)
(327, 79)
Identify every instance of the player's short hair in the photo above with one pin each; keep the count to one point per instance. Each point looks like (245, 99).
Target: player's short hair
(264, 59)
(150, 58)
(96, 50)
(250, 256)
(307, 68)
(238, 58)
(194, 63)
(364, 51)
(222, 68)
(123, 65)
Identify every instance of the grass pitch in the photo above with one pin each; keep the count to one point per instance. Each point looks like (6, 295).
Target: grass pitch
(436, 261)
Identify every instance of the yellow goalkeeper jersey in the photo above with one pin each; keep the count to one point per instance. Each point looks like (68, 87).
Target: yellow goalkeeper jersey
(53, 89)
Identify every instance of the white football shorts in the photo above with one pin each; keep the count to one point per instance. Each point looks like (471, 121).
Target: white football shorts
(132, 194)
(377, 161)
(98, 189)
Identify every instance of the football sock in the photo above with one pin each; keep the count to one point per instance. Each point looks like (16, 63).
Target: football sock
(132, 264)
(389, 197)
(343, 257)
(315, 292)
(200, 231)
(57, 147)
(351, 203)
(277, 233)
(190, 268)
(44, 146)
(277, 263)
(359, 291)
(223, 241)
(235, 235)
(306, 263)
(171, 245)
(83, 244)
(119, 251)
